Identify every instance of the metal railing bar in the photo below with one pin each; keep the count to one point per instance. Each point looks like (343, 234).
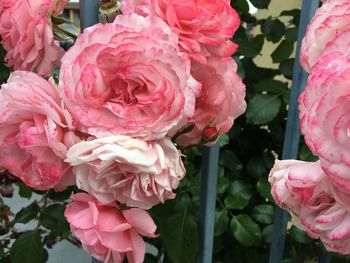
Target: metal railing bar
(209, 175)
(88, 13)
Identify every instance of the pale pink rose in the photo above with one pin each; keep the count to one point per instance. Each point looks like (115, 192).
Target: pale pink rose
(204, 27)
(305, 191)
(130, 171)
(27, 37)
(325, 116)
(128, 78)
(220, 102)
(330, 20)
(107, 232)
(34, 136)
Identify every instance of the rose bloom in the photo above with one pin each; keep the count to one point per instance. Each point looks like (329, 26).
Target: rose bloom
(27, 37)
(304, 190)
(204, 27)
(131, 171)
(34, 134)
(108, 233)
(220, 102)
(330, 20)
(324, 114)
(128, 78)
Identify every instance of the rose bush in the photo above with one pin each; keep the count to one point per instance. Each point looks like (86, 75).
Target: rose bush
(204, 27)
(330, 20)
(304, 189)
(34, 132)
(107, 233)
(27, 37)
(220, 102)
(128, 78)
(131, 171)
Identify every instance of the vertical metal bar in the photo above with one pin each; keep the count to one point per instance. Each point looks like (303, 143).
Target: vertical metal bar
(88, 13)
(209, 175)
(88, 17)
(325, 257)
(292, 135)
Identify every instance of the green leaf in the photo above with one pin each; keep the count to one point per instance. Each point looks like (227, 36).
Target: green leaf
(28, 213)
(221, 222)
(263, 109)
(179, 234)
(230, 161)
(245, 230)
(27, 248)
(61, 196)
(306, 155)
(53, 218)
(250, 48)
(261, 4)
(25, 191)
(223, 184)
(239, 187)
(271, 86)
(299, 236)
(263, 214)
(266, 234)
(286, 67)
(256, 167)
(291, 34)
(264, 188)
(235, 202)
(273, 29)
(224, 140)
(283, 51)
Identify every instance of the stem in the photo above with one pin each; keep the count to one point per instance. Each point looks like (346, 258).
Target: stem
(223, 206)
(45, 199)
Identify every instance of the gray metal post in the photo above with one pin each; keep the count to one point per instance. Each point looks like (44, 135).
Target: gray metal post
(88, 13)
(292, 135)
(88, 17)
(209, 175)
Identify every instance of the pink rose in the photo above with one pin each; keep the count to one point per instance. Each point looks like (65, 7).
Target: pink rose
(330, 20)
(131, 171)
(26, 32)
(128, 78)
(304, 190)
(220, 102)
(324, 113)
(107, 232)
(204, 27)
(34, 136)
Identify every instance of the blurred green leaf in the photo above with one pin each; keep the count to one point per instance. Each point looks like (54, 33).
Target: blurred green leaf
(299, 236)
(263, 109)
(282, 52)
(263, 214)
(286, 67)
(27, 248)
(221, 222)
(250, 48)
(264, 188)
(261, 4)
(271, 86)
(245, 230)
(25, 191)
(273, 29)
(179, 233)
(28, 213)
(53, 218)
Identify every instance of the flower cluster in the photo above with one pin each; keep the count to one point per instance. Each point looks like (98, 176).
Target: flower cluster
(318, 194)
(161, 73)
